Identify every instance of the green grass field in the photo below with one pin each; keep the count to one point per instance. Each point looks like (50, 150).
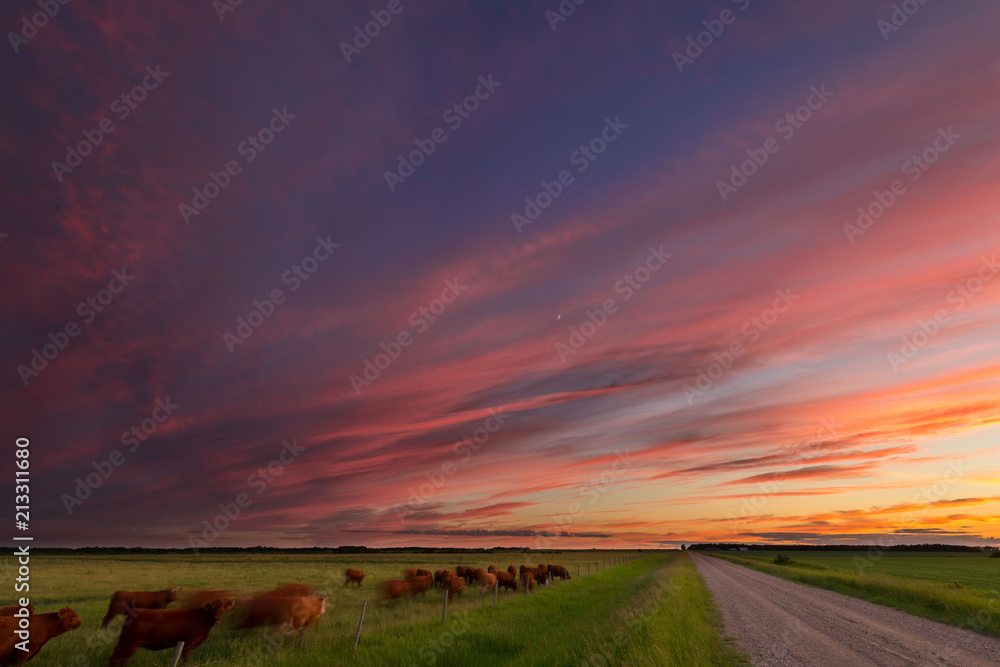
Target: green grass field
(653, 610)
(972, 570)
(960, 589)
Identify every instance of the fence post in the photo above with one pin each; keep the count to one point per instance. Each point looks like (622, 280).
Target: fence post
(177, 654)
(444, 611)
(360, 621)
(577, 570)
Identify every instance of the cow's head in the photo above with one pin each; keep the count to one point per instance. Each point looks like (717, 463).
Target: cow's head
(217, 606)
(172, 594)
(68, 620)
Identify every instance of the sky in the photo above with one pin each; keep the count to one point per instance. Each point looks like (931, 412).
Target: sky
(502, 274)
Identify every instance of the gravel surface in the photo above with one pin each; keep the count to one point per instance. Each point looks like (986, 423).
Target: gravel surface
(779, 623)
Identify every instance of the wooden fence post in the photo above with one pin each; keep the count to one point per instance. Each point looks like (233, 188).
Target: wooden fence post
(360, 621)
(177, 654)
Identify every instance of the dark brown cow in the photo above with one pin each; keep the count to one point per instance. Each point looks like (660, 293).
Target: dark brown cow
(493, 569)
(395, 588)
(162, 629)
(528, 580)
(465, 572)
(12, 609)
(558, 571)
(511, 570)
(350, 574)
(41, 628)
(524, 568)
(192, 599)
(507, 580)
(544, 569)
(446, 575)
(124, 602)
(455, 587)
(421, 584)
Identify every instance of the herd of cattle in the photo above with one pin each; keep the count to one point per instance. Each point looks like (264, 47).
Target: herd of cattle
(293, 608)
(416, 580)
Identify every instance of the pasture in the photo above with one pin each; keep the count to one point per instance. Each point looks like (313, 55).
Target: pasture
(972, 570)
(650, 609)
(960, 589)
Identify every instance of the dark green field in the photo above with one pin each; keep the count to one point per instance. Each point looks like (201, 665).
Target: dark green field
(972, 570)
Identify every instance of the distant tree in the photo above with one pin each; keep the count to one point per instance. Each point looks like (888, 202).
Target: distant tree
(683, 547)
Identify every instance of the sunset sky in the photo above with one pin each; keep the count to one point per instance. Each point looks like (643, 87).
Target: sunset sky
(655, 348)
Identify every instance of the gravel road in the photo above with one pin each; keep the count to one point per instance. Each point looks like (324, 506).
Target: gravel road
(780, 623)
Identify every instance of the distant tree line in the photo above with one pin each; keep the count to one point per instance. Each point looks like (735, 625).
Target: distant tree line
(141, 551)
(735, 546)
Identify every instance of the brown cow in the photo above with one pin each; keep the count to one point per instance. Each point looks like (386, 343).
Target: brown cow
(507, 580)
(162, 629)
(446, 575)
(528, 579)
(488, 582)
(544, 570)
(192, 599)
(455, 587)
(420, 584)
(540, 576)
(12, 609)
(412, 572)
(305, 613)
(493, 569)
(511, 570)
(40, 629)
(525, 568)
(465, 572)
(395, 588)
(559, 571)
(288, 612)
(350, 574)
(125, 602)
